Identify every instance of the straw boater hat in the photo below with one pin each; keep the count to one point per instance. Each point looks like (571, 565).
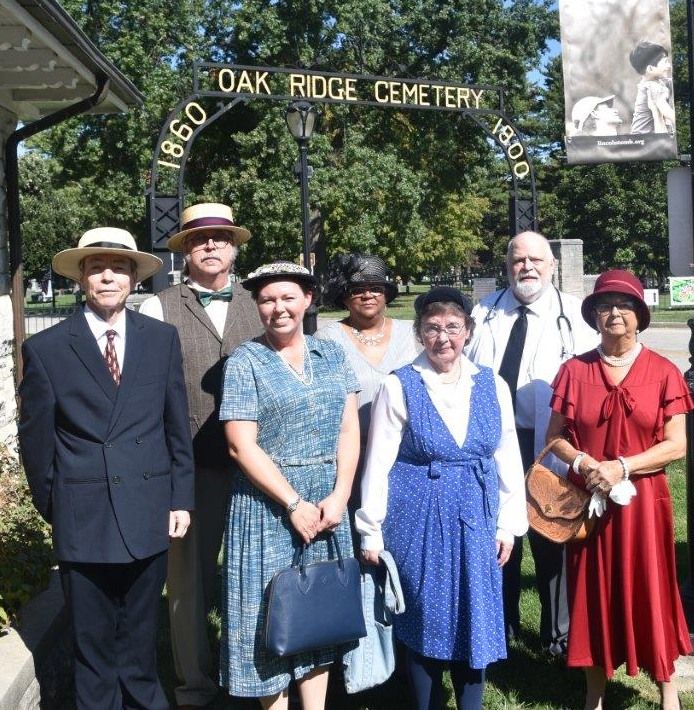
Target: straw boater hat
(208, 216)
(105, 240)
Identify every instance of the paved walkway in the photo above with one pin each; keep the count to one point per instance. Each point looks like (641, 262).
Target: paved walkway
(672, 343)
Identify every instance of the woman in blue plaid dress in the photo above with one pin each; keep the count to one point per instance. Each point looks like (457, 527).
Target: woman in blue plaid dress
(290, 413)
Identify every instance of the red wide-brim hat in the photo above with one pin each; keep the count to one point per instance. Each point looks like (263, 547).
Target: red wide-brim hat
(617, 281)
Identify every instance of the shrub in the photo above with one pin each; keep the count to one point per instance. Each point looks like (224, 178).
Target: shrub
(25, 541)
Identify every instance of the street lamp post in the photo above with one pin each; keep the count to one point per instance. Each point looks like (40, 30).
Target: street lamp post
(301, 119)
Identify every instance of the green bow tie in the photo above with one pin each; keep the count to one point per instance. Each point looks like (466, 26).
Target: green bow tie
(205, 298)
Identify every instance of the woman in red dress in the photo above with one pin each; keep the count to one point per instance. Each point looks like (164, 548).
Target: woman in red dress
(620, 410)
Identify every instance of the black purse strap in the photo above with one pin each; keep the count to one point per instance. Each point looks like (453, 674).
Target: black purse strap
(298, 559)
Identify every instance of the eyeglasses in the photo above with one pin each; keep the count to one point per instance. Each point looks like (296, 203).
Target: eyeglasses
(201, 240)
(622, 307)
(452, 329)
(364, 290)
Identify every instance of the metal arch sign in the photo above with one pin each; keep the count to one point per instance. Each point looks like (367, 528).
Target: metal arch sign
(228, 81)
(227, 85)
(355, 89)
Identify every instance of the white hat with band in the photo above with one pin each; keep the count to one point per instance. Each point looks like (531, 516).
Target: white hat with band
(210, 217)
(105, 240)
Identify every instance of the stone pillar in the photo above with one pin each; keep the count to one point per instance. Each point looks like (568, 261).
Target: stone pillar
(568, 274)
(482, 288)
(8, 401)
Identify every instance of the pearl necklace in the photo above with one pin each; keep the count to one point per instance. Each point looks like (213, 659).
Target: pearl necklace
(617, 361)
(370, 340)
(298, 374)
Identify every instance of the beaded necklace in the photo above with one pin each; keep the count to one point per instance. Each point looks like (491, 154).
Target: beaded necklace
(305, 379)
(620, 361)
(370, 340)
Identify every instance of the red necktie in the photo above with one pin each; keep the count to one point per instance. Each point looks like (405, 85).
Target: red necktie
(111, 357)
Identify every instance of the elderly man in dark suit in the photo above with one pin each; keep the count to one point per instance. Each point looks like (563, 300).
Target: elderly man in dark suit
(107, 450)
(212, 317)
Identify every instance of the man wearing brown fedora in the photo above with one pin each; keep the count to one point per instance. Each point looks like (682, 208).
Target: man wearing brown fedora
(107, 451)
(212, 316)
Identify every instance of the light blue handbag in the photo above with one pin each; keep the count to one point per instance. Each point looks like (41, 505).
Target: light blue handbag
(372, 662)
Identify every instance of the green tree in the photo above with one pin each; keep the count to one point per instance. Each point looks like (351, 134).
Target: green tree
(618, 210)
(383, 179)
(53, 213)
(108, 157)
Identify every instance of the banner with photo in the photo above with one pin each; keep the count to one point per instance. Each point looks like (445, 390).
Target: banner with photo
(617, 63)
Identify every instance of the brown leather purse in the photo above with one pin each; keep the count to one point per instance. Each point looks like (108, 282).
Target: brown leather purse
(557, 509)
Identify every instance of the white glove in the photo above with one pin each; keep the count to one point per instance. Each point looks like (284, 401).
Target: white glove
(623, 492)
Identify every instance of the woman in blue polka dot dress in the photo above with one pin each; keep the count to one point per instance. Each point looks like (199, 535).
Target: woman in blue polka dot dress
(443, 491)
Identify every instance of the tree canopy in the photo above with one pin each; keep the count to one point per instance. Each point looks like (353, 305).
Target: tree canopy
(424, 190)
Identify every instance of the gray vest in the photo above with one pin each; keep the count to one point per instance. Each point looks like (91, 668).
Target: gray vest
(204, 353)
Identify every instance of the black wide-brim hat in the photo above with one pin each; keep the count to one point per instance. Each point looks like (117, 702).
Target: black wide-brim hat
(617, 281)
(350, 270)
(279, 271)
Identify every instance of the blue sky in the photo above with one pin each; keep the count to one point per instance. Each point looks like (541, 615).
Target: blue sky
(553, 48)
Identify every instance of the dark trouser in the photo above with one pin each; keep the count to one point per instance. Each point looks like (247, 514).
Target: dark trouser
(192, 584)
(426, 680)
(114, 610)
(550, 575)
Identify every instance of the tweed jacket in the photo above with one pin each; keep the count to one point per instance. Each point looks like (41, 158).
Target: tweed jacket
(204, 354)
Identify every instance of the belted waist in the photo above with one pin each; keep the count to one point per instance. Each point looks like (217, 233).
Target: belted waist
(309, 461)
(438, 466)
(482, 469)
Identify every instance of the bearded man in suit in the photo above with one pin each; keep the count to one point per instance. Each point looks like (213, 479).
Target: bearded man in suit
(107, 451)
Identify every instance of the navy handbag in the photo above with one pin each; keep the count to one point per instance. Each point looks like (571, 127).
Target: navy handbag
(315, 605)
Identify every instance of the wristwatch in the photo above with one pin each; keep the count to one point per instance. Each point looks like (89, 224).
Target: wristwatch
(293, 505)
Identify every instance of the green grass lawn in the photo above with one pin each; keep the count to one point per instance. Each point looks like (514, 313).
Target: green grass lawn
(67, 299)
(527, 679)
(403, 308)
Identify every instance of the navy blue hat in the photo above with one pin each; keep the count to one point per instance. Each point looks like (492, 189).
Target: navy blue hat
(445, 294)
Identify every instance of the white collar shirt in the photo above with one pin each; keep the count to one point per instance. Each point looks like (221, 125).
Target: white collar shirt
(98, 326)
(216, 310)
(549, 342)
(389, 418)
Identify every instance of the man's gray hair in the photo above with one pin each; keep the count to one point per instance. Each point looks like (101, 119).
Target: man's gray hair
(509, 247)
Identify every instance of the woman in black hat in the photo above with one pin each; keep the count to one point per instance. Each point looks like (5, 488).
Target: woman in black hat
(443, 492)
(375, 344)
(290, 414)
